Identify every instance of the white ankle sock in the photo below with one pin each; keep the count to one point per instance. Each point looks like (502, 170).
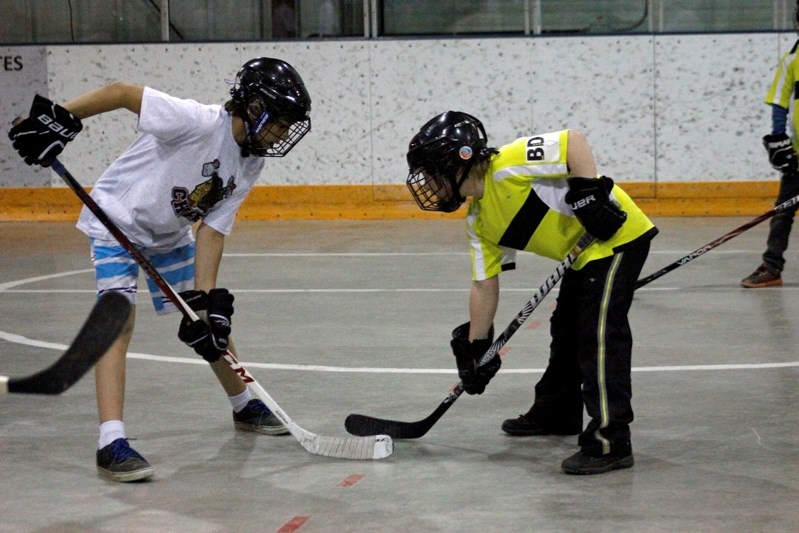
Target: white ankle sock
(111, 431)
(240, 400)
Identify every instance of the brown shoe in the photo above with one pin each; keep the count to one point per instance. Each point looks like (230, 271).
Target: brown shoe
(761, 277)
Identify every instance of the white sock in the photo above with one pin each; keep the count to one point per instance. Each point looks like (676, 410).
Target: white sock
(240, 400)
(111, 431)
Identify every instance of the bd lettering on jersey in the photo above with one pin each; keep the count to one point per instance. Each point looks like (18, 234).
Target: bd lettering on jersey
(196, 204)
(538, 146)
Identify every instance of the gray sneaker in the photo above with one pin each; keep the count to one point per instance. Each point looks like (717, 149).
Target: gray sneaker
(119, 462)
(257, 417)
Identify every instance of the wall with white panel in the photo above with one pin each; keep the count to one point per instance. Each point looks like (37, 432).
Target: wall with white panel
(656, 108)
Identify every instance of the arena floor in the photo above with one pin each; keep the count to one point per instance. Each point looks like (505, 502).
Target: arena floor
(337, 317)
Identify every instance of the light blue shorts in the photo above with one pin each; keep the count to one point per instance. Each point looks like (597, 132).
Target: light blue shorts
(116, 270)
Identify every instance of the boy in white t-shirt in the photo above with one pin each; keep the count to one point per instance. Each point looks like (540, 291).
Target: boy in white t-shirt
(191, 163)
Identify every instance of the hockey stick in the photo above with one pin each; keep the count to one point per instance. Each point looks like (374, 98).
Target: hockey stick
(106, 321)
(724, 238)
(367, 425)
(373, 447)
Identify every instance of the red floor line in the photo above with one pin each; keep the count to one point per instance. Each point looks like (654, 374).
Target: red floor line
(294, 524)
(349, 481)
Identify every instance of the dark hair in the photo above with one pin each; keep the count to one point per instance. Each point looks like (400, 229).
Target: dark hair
(231, 108)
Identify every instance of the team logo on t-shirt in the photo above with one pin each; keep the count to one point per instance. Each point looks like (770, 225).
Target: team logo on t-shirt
(196, 204)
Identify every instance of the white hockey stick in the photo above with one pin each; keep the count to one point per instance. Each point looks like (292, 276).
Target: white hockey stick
(104, 325)
(369, 447)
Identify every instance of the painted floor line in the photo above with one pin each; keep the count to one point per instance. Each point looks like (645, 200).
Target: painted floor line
(19, 339)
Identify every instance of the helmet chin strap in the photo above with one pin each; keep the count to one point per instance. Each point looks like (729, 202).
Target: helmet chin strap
(466, 171)
(457, 200)
(250, 131)
(259, 124)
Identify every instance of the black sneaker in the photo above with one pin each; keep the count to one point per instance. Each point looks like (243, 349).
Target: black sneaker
(119, 462)
(582, 464)
(524, 426)
(257, 417)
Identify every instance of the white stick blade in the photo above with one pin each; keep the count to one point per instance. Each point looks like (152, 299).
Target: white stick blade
(366, 448)
(372, 447)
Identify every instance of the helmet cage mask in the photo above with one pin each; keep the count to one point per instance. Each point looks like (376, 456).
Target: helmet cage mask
(274, 105)
(440, 161)
(268, 135)
(435, 183)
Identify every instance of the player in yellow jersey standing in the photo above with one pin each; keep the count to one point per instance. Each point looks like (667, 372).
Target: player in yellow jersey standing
(782, 156)
(540, 194)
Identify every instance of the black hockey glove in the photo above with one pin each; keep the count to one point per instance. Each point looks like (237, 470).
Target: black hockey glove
(208, 336)
(44, 134)
(589, 200)
(467, 355)
(780, 150)
(220, 312)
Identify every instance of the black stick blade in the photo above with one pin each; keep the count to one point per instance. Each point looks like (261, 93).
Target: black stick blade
(105, 323)
(363, 425)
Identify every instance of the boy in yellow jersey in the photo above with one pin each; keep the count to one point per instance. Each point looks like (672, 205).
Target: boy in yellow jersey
(782, 156)
(540, 194)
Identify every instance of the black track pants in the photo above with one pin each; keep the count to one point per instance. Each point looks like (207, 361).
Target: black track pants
(781, 223)
(590, 353)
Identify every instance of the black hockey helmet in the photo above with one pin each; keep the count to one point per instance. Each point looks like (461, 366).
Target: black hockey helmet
(440, 157)
(269, 95)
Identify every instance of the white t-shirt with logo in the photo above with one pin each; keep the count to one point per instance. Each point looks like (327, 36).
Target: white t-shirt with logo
(185, 166)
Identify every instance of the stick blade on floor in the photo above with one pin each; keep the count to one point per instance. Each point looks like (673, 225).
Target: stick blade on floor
(362, 447)
(105, 323)
(364, 425)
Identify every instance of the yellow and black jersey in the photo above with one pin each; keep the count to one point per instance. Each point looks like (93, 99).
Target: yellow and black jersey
(523, 208)
(783, 88)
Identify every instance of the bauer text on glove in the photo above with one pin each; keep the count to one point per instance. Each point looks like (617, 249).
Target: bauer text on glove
(780, 150)
(589, 200)
(45, 133)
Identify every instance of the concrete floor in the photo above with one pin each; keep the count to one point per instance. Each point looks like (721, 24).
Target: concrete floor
(354, 316)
